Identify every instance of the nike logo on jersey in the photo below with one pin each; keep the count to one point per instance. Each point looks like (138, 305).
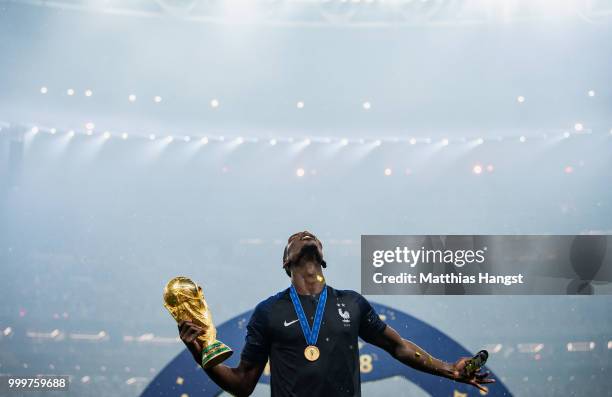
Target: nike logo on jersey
(290, 322)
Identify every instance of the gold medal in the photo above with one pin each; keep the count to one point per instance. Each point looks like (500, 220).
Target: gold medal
(311, 353)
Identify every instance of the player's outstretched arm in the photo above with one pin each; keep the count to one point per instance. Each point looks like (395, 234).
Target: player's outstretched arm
(239, 381)
(412, 355)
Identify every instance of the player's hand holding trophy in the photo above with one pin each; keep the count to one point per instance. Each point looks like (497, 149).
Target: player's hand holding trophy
(185, 301)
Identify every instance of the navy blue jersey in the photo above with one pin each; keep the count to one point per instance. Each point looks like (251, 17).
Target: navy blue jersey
(274, 332)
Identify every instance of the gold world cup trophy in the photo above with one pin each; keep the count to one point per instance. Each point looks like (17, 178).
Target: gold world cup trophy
(185, 301)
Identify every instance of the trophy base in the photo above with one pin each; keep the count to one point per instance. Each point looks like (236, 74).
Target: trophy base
(215, 354)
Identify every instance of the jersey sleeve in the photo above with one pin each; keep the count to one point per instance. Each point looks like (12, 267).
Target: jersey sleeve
(370, 324)
(257, 343)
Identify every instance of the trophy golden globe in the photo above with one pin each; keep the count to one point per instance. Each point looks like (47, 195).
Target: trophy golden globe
(185, 301)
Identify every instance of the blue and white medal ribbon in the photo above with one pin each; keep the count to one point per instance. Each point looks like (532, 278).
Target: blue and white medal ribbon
(311, 352)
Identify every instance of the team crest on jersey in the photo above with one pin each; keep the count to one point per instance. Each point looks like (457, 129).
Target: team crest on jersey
(344, 314)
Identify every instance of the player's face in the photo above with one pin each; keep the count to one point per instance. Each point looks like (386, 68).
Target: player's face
(305, 245)
(309, 266)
